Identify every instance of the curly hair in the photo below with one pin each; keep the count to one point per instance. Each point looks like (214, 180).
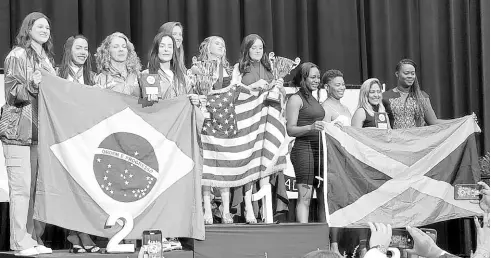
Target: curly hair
(67, 60)
(103, 57)
(23, 38)
(301, 76)
(329, 75)
(204, 50)
(245, 60)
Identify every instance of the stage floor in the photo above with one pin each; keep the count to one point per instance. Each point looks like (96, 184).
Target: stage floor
(65, 253)
(238, 240)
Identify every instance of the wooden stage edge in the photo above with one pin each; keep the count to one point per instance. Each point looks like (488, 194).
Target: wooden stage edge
(237, 241)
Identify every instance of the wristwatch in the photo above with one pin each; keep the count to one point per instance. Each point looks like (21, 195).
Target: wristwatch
(381, 248)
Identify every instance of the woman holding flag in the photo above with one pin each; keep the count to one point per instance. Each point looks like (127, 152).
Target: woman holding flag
(19, 128)
(304, 117)
(118, 65)
(406, 104)
(255, 72)
(213, 49)
(76, 66)
(164, 61)
(369, 103)
(338, 114)
(175, 29)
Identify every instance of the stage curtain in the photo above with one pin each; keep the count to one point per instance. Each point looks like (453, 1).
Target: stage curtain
(448, 39)
(363, 38)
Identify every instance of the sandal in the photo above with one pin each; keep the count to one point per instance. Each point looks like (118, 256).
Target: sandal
(252, 220)
(76, 249)
(208, 221)
(227, 218)
(93, 249)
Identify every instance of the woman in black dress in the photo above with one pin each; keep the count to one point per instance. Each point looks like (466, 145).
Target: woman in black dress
(304, 117)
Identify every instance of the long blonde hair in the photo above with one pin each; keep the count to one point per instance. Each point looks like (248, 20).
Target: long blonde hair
(363, 99)
(204, 50)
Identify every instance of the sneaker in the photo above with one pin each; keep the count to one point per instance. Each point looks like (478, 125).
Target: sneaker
(175, 244)
(166, 246)
(43, 249)
(27, 252)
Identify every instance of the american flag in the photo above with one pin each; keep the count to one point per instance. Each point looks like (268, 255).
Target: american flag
(241, 141)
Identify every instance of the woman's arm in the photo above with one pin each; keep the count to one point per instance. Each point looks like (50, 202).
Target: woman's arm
(19, 85)
(236, 76)
(327, 111)
(292, 109)
(358, 118)
(430, 116)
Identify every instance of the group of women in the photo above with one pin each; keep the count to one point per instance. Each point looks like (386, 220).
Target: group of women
(119, 69)
(405, 106)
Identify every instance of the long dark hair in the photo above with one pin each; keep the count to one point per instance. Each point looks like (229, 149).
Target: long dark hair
(67, 61)
(175, 62)
(245, 61)
(168, 27)
(414, 92)
(23, 38)
(300, 78)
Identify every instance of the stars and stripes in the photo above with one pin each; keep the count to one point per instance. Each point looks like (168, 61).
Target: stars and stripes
(242, 139)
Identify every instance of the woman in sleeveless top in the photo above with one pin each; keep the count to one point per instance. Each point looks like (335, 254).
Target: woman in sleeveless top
(213, 48)
(32, 53)
(336, 113)
(370, 101)
(304, 117)
(407, 105)
(118, 65)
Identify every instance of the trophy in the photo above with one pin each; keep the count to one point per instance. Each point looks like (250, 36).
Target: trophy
(281, 67)
(150, 84)
(203, 76)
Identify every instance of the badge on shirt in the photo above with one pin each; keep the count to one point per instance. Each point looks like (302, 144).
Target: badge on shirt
(381, 120)
(150, 84)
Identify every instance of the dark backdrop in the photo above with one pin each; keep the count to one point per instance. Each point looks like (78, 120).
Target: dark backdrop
(449, 39)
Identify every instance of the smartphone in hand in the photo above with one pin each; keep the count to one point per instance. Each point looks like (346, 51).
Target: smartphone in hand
(467, 192)
(401, 239)
(152, 242)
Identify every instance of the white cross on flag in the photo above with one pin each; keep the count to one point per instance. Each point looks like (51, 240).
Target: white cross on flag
(402, 177)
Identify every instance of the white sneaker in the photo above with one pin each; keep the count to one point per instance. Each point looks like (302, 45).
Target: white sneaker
(175, 244)
(27, 252)
(43, 249)
(166, 246)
